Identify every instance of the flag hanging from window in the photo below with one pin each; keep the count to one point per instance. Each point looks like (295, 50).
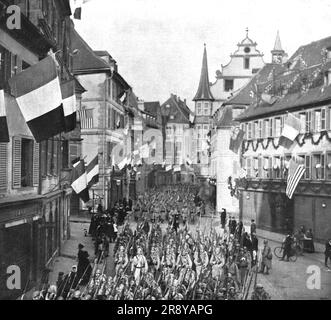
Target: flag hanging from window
(93, 172)
(296, 171)
(69, 105)
(292, 128)
(236, 140)
(38, 94)
(4, 134)
(79, 184)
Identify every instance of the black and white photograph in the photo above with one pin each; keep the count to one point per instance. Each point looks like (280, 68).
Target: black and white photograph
(165, 150)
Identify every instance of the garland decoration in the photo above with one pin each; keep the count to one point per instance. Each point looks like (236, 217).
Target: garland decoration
(301, 140)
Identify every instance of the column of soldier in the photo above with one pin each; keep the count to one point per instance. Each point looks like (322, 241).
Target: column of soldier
(177, 258)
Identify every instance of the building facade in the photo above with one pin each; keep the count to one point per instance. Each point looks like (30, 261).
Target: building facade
(103, 117)
(34, 201)
(177, 139)
(245, 62)
(237, 101)
(302, 88)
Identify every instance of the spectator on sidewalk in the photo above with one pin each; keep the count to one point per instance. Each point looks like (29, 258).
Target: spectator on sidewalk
(223, 218)
(84, 268)
(327, 252)
(266, 258)
(287, 247)
(253, 226)
(309, 241)
(255, 248)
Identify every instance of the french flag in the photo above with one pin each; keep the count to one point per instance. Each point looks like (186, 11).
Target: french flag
(4, 134)
(93, 172)
(292, 128)
(38, 94)
(69, 105)
(79, 178)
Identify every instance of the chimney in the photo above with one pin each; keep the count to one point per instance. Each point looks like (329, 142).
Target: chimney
(185, 102)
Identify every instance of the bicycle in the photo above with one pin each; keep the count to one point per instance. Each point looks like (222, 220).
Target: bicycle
(278, 251)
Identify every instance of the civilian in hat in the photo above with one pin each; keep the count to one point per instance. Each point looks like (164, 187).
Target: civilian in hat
(327, 252)
(84, 268)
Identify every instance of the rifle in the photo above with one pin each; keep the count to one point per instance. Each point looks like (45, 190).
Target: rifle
(25, 288)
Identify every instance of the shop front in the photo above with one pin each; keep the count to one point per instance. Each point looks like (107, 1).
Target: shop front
(20, 222)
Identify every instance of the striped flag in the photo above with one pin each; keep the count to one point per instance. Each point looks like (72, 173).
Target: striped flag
(296, 171)
(69, 105)
(86, 118)
(93, 172)
(292, 128)
(38, 94)
(4, 134)
(79, 184)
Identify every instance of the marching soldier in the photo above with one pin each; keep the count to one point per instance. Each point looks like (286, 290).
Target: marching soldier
(217, 261)
(139, 265)
(201, 259)
(121, 260)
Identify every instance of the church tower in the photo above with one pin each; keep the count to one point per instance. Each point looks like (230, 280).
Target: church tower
(278, 54)
(203, 118)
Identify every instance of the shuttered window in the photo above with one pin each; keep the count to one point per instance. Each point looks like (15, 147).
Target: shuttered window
(43, 160)
(36, 158)
(73, 152)
(17, 162)
(55, 157)
(3, 166)
(50, 157)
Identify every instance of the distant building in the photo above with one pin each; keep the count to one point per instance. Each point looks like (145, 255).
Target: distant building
(203, 121)
(224, 123)
(103, 116)
(178, 137)
(245, 62)
(301, 87)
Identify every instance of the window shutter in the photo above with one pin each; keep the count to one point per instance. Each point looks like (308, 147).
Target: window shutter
(17, 159)
(3, 166)
(36, 164)
(55, 158)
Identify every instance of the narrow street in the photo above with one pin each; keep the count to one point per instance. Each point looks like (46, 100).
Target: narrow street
(287, 280)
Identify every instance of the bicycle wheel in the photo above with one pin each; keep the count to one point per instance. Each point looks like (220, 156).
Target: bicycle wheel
(278, 251)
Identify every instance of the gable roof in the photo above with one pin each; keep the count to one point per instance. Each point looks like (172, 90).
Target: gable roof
(178, 109)
(153, 108)
(85, 61)
(295, 84)
(204, 92)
